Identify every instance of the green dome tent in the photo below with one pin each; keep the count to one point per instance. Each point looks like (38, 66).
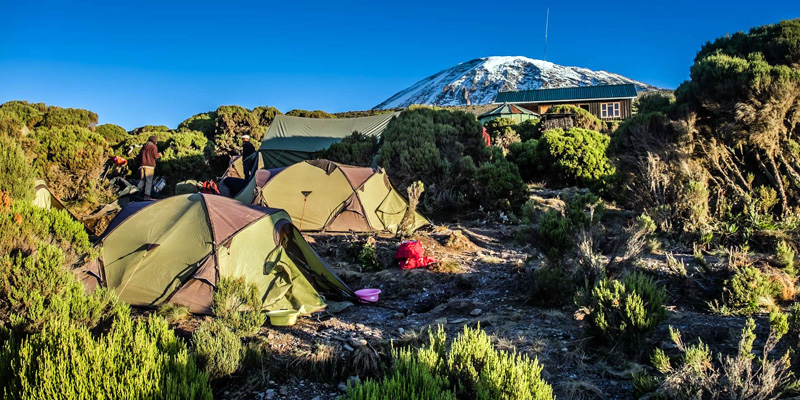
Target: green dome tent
(321, 195)
(176, 250)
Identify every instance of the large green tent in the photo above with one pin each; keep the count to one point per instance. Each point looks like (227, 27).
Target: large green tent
(290, 140)
(176, 250)
(321, 195)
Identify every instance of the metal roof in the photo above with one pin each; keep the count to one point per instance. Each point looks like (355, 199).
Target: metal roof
(569, 93)
(506, 108)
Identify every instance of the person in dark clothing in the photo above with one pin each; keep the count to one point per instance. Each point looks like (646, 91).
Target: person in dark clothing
(147, 166)
(247, 150)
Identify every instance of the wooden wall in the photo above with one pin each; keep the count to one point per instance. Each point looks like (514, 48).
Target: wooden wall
(625, 107)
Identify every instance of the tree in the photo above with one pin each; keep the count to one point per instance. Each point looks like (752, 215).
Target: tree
(355, 149)
(309, 114)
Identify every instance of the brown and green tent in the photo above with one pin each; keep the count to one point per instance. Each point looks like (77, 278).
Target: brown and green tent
(176, 250)
(322, 195)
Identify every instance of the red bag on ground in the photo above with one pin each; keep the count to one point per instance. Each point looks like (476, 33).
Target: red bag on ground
(411, 255)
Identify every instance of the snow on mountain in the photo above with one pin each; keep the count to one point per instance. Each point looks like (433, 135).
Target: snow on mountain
(478, 81)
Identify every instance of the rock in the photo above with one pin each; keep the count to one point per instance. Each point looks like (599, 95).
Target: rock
(335, 307)
(564, 349)
(440, 321)
(348, 347)
(398, 315)
(342, 387)
(283, 390)
(476, 312)
(317, 398)
(458, 321)
(270, 394)
(353, 380)
(401, 331)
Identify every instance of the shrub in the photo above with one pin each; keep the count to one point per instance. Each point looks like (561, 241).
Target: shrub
(62, 117)
(25, 225)
(500, 186)
(575, 157)
(185, 156)
(744, 376)
(237, 305)
(133, 360)
(203, 122)
(551, 286)
(471, 368)
(529, 130)
(217, 349)
(557, 231)
(368, 256)
(524, 156)
(173, 313)
(16, 175)
(653, 101)
(309, 114)
(624, 311)
(112, 133)
(355, 149)
(266, 115)
(27, 114)
(785, 255)
(748, 291)
(583, 119)
(441, 149)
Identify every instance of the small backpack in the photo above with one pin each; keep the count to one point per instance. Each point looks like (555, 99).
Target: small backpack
(209, 187)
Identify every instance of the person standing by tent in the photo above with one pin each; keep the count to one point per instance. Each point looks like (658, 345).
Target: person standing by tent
(147, 166)
(247, 150)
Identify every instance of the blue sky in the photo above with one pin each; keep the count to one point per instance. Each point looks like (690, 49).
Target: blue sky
(159, 62)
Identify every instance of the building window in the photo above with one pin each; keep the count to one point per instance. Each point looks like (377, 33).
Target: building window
(609, 110)
(584, 106)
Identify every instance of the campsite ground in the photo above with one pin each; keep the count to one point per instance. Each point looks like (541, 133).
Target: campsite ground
(482, 279)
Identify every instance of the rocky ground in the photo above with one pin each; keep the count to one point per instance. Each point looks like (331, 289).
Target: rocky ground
(481, 279)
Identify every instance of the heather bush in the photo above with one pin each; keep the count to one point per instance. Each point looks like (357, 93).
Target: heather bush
(309, 114)
(524, 155)
(233, 122)
(368, 256)
(217, 349)
(500, 186)
(471, 368)
(237, 305)
(748, 291)
(623, 311)
(356, 149)
(558, 230)
(653, 101)
(530, 129)
(203, 122)
(27, 114)
(112, 133)
(745, 375)
(266, 115)
(16, 175)
(583, 119)
(62, 117)
(551, 286)
(575, 157)
(785, 255)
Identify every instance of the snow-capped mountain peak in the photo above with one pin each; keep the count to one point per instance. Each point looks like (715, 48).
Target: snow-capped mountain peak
(478, 81)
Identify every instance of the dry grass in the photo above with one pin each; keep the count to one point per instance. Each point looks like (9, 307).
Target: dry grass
(579, 390)
(456, 241)
(446, 267)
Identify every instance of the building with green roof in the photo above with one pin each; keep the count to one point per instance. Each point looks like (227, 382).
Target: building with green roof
(513, 112)
(608, 102)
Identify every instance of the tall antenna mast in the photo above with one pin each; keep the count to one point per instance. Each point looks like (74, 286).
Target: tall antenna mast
(546, 25)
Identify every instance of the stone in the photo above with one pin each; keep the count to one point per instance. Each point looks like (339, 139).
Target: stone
(270, 394)
(283, 390)
(440, 321)
(401, 331)
(564, 349)
(476, 312)
(342, 387)
(458, 321)
(348, 347)
(398, 315)
(317, 398)
(335, 307)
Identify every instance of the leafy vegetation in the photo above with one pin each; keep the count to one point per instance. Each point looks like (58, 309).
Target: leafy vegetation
(217, 348)
(357, 149)
(237, 305)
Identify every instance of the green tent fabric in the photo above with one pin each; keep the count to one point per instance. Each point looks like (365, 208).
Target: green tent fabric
(290, 140)
(321, 195)
(44, 198)
(176, 250)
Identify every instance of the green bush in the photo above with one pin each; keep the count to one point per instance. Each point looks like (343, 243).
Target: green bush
(653, 101)
(62, 117)
(575, 157)
(309, 114)
(557, 231)
(529, 130)
(16, 175)
(368, 257)
(25, 225)
(624, 311)
(551, 287)
(524, 156)
(748, 291)
(470, 369)
(356, 149)
(266, 115)
(27, 114)
(441, 149)
(583, 119)
(203, 122)
(237, 305)
(112, 133)
(133, 360)
(500, 186)
(785, 255)
(217, 349)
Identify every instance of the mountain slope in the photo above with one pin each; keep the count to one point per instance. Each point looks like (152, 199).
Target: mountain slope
(478, 81)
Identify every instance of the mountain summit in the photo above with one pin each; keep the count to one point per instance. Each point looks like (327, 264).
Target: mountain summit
(478, 81)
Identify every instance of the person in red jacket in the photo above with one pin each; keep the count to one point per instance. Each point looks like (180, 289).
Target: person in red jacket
(147, 167)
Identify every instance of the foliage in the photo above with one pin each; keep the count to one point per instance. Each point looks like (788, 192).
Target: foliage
(233, 122)
(368, 256)
(785, 255)
(407, 224)
(551, 286)
(575, 157)
(133, 360)
(173, 313)
(583, 119)
(309, 114)
(746, 375)
(16, 175)
(653, 102)
(530, 129)
(63, 117)
(237, 305)
(203, 122)
(500, 186)
(624, 311)
(356, 149)
(112, 133)
(441, 149)
(27, 114)
(558, 230)
(748, 291)
(69, 158)
(524, 156)
(266, 115)
(217, 349)
(470, 369)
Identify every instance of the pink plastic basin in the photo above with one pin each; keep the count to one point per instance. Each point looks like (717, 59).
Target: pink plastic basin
(368, 295)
